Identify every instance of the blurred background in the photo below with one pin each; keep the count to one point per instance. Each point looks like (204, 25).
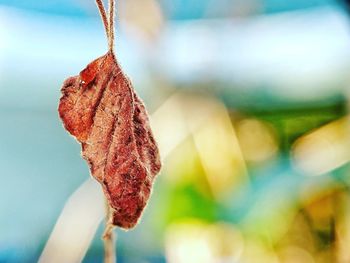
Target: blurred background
(249, 101)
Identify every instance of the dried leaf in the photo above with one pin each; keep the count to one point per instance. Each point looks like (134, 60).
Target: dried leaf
(102, 111)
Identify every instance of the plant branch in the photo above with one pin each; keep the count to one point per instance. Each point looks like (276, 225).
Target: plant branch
(103, 14)
(111, 24)
(109, 237)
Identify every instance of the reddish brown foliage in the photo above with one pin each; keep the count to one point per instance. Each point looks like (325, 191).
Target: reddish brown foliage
(102, 111)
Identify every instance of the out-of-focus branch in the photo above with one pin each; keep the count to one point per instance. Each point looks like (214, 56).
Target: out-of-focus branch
(109, 238)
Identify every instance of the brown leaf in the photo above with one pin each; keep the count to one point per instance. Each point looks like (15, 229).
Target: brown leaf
(101, 109)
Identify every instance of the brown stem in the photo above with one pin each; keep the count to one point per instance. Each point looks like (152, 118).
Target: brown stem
(103, 14)
(111, 24)
(109, 238)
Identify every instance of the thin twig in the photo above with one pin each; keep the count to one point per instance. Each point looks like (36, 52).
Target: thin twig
(109, 238)
(108, 235)
(111, 24)
(103, 14)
